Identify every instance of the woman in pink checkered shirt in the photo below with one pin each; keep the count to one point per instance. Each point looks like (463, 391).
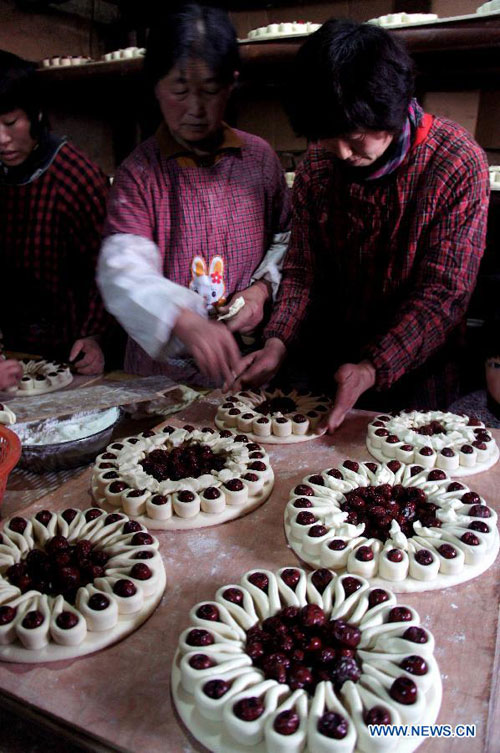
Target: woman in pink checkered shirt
(198, 213)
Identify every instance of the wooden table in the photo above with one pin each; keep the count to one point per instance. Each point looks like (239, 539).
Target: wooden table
(119, 698)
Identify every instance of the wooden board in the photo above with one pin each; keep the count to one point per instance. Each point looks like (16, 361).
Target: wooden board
(75, 397)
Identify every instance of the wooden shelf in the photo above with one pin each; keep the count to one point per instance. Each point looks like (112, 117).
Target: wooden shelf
(461, 33)
(98, 69)
(466, 34)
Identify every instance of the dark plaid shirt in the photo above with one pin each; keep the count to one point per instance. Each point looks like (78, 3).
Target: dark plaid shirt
(50, 234)
(384, 269)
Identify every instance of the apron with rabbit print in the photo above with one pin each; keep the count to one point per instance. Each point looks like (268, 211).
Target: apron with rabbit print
(213, 226)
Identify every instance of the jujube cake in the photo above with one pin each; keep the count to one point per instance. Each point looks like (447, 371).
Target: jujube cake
(73, 582)
(411, 527)
(293, 662)
(273, 416)
(183, 478)
(493, 6)
(287, 28)
(40, 376)
(403, 19)
(458, 444)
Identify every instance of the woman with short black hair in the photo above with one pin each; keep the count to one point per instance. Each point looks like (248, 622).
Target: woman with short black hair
(52, 207)
(350, 77)
(389, 224)
(198, 214)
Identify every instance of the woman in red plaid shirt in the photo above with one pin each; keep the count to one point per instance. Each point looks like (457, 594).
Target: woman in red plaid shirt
(198, 214)
(388, 229)
(52, 207)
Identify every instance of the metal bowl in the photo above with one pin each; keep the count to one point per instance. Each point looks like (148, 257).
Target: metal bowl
(58, 456)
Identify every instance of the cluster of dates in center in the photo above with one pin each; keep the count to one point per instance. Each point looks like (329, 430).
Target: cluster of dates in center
(300, 646)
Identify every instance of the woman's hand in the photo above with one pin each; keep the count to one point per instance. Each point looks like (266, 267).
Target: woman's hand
(211, 344)
(11, 372)
(91, 359)
(352, 380)
(260, 366)
(252, 313)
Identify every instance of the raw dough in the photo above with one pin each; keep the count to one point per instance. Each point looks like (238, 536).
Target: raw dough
(94, 629)
(118, 479)
(65, 60)
(286, 29)
(7, 416)
(323, 501)
(381, 650)
(57, 431)
(495, 173)
(233, 310)
(40, 377)
(492, 7)
(459, 445)
(123, 54)
(403, 19)
(270, 416)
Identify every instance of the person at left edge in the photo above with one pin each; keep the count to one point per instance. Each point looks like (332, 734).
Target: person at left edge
(198, 214)
(52, 207)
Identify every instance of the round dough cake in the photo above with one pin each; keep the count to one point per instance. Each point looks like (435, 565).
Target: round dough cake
(404, 526)
(41, 376)
(274, 416)
(123, 54)
(495, 171)
(493, 6)
(403, 19)
(288, 662)
(74, 582)
(65, 60)
(459, 445)
(285, 29)
(183, 478)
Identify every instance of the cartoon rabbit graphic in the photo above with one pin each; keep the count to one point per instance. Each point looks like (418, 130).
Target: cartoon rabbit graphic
(210, 285)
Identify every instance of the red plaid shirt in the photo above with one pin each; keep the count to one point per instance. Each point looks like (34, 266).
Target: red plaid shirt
(385, 269)
(50, 235)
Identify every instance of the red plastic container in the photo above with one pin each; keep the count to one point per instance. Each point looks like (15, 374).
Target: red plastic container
(10, 452)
